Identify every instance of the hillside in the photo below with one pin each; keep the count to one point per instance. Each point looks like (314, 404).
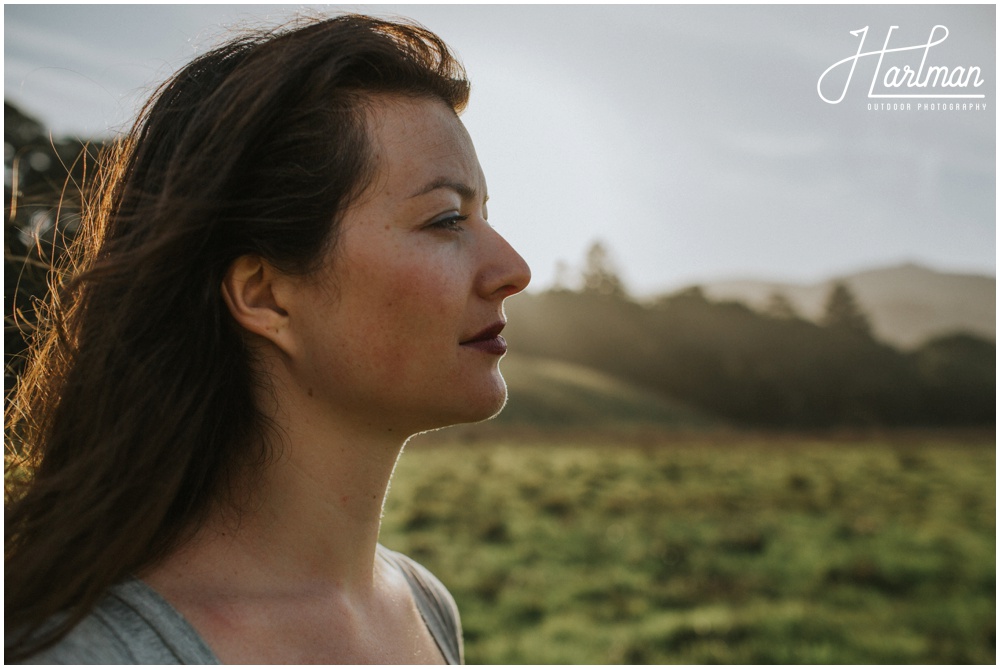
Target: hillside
(550, 393)
(907, 304)
(729, 361)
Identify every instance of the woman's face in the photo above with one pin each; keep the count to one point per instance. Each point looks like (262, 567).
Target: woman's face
(401, 330)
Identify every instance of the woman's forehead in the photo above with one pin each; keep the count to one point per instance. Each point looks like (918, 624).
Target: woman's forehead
(419, 145)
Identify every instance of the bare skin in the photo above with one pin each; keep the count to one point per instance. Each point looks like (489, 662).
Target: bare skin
(373, 350)
(297, 580)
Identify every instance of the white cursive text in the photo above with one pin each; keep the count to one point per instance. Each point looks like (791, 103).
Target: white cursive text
(921, 78)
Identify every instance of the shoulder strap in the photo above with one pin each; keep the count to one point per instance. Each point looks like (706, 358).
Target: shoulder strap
(435, 603)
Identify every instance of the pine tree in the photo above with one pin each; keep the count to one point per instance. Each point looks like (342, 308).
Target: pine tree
(779, 306)
(843, 312)
(599, 272)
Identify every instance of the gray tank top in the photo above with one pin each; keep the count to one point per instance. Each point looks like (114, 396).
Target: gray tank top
(134, 625)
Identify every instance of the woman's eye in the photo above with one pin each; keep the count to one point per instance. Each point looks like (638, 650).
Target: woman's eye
(449, 223)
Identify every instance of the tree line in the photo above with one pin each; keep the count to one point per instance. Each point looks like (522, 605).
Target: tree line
(770, 368)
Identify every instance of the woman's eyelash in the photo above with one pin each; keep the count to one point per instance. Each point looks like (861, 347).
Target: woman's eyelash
(450, 223)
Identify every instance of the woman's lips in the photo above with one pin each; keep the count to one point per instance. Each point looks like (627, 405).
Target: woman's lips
(495, 345)
(488, 340)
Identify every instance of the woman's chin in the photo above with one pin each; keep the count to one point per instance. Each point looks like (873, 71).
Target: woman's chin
(494, 403)
(475, 406)
(484, 409)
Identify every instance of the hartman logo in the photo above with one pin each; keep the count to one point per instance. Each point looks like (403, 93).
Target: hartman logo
(910, 74)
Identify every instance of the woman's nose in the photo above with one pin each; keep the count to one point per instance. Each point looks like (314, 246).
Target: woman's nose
(507, 273)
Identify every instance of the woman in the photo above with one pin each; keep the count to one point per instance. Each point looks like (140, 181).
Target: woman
(289, 273)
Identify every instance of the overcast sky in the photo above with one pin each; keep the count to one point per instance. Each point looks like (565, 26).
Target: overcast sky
(691, 139)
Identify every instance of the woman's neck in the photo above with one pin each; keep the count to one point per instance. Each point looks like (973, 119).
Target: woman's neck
(313, 521)
(292, 574)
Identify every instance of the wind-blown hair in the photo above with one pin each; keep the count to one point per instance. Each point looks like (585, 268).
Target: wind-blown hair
(136, 412)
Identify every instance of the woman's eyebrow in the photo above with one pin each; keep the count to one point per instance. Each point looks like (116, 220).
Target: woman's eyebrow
(465, 191)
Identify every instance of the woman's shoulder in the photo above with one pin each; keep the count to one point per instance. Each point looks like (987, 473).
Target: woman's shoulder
(435, 603)
(131, 624)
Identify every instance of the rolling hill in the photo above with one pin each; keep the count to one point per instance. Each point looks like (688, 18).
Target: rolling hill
(906, 304)
(544, 392)
(727, 360)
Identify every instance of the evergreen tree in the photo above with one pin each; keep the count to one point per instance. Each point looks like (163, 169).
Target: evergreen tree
(599, 272)
(842, 312)
(779, 306)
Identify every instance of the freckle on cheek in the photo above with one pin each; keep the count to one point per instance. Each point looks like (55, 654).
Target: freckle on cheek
(310, 391)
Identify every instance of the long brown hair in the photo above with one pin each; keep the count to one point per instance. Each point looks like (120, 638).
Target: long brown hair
(136, 411)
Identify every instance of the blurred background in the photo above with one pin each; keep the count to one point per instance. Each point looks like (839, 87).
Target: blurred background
(752, 386)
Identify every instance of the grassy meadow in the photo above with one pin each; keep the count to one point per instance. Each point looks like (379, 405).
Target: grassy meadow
(707, 549)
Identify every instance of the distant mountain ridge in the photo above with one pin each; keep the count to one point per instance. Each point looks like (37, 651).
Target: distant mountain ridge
(593, 357)
(907, 304)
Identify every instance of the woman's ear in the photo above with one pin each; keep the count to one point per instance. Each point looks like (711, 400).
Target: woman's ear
(253, 297)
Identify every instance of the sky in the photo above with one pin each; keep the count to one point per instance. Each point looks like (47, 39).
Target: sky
(692, 140)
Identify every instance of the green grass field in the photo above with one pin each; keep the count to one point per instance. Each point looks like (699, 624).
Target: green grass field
(696, 549)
